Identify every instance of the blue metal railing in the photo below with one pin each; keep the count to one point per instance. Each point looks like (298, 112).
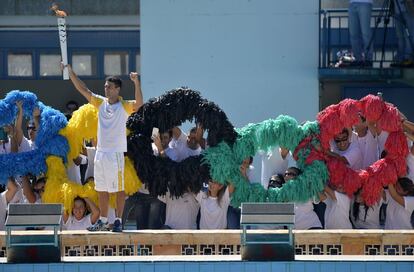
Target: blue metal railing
(334, 37)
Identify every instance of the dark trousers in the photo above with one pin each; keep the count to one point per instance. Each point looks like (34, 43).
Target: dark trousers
(149, 211)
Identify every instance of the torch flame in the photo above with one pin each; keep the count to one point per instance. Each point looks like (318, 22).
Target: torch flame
(58, 12)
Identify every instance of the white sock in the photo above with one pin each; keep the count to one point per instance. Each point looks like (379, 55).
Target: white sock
(104, 219)
(120, 220)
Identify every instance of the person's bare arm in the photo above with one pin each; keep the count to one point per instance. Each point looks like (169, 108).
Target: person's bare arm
(157, 142)
(284, 152)
(176, 132)
(330, 192)
(95, 213)
(138, 93)
(14, 146)
(65, 217)
(231, 188)
(399, 199)
(199, 136)
(28, 190)
(79, 84)
(11, 190)
(19, 122)
(36, 117)
(333, 154)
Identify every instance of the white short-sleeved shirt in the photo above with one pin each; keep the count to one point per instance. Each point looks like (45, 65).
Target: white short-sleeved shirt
(337, 212)
(181, 213)
(73, 224)
(305, 216)
(372, 219)
(397, 216)
(410, 166)
(181, 149)
(382, 138)
(273, 164)
(24, 146)
(169, 152)
(3, 210)
(213, 215)
(90, 151)
(353, 155)
(112, 123)
(369, 147)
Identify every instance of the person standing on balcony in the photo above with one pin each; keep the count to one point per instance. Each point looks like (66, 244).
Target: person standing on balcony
(113, 113)
(404, 28)
(360, 31)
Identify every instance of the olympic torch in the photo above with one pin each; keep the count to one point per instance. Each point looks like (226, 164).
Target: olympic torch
(61, 23)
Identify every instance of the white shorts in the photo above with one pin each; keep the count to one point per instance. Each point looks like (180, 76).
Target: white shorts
(109, 172)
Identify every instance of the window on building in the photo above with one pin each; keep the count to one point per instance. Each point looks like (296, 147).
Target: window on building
(50, 65)
(116, 63)
(84, 63)
(20, 64)
(138, 63)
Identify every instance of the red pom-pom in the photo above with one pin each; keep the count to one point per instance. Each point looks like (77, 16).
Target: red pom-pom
(400, 165)
(390, 119)
(371, 191)
(383, 171)
(352, 181)
(372, 107)
(348, 111)
(396, 145)
(329, 124)
(337, 171)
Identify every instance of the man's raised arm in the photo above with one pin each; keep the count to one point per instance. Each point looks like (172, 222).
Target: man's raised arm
(79, 84)
(138, 93)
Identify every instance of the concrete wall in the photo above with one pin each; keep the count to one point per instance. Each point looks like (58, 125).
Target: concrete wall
(255, 58)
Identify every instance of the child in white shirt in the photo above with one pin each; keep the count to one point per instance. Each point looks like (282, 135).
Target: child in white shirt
(213, 205)
(337, 209)
(80, 219)
(363, 216)
(400, 200)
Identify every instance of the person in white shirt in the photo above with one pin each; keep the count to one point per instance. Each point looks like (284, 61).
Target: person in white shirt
(305, 216)
(234, 213)
(273, 163)
(364, 216)
(346, 150)
(6, 198)
(213, 205)
(113, 113)
(181, 212)
(80, 219)
(149, 210)
(337, 208)
(400, 200)
(187, 146)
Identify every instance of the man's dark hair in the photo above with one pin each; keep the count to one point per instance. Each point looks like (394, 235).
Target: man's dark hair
(114, 79)
(345, 131)
(72, 102)
(407, 185)
(193, 130)
(276, 181)
(296, 170)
